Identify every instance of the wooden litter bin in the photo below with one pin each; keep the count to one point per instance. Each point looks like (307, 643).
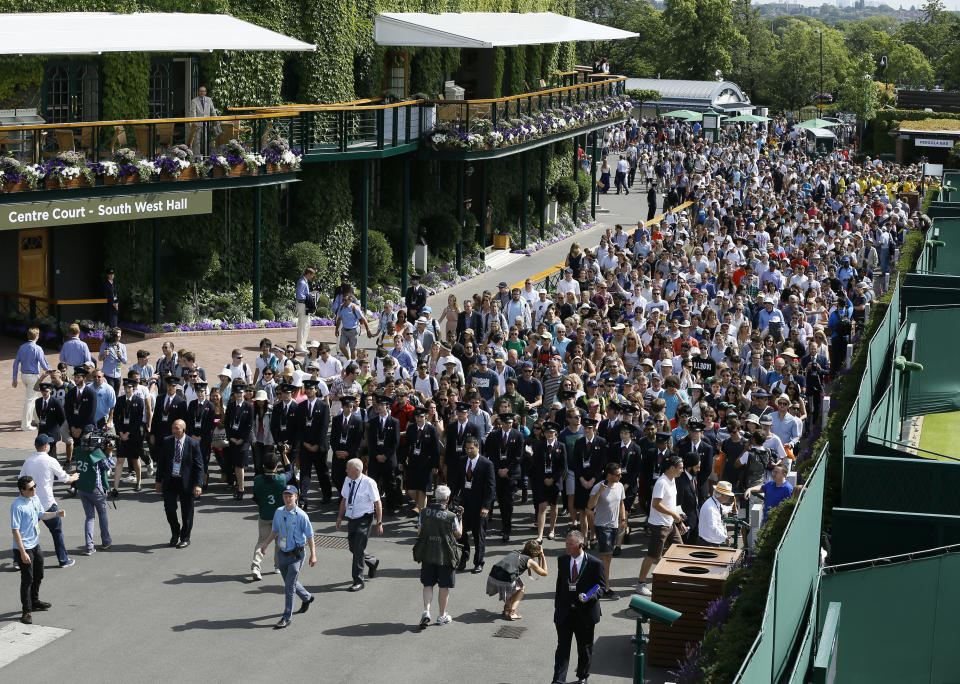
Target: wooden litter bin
(722, 555)
(688, 587)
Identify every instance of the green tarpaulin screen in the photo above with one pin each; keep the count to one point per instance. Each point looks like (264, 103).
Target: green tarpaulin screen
(936, 389)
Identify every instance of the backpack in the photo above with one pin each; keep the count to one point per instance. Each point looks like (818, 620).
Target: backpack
(310, 303)
(844, 327)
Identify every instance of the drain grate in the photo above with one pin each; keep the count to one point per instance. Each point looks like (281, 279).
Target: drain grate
(510, 632)
(330, 542)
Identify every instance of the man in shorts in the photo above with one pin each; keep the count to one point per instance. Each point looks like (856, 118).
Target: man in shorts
(664, 520)
(437, 551)
(349, 318)
(609, 519)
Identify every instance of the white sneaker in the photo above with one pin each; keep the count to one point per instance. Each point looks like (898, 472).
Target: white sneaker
(444, 619)
(425, 618)
(129, 478)
(256, 574)
(151, 470)
(644, 589)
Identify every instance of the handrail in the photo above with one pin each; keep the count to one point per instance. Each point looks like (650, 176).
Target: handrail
(145, 122)
(50, 300)
(336, 107)
(532, 93)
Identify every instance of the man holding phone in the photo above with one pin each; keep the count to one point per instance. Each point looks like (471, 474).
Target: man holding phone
(609, 519)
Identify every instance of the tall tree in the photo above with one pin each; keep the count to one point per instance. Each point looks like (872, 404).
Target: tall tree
(908, 65)
(753, 57)
(700, 38)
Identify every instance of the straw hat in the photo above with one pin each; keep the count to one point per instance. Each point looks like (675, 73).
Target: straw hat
(723, 487)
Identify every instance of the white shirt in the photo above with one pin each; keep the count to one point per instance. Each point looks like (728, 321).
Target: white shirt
(711, 527)
(565, 286)
(365, 495)
(44, 468)
(577, 561)
(331, 368)
(665, 489)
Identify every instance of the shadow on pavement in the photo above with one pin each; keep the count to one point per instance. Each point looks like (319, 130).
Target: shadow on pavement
(239, 623)
(205, 578)
(375, 629)
(135, 548)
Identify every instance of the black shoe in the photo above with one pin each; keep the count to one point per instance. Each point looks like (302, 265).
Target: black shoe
(184, 543)
(137, 487)
(355, 587)
(41, 605)
(26, 618)
(284, 622)
(461, 566)
(617, 551)
(304, 504)
(372, 568)
(610, 595)
(305, 606)
(174, 540)
(477, 569)
(505, 539)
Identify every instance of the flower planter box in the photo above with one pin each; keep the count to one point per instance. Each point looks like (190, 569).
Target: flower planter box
(238, 169)
(501, 241)
(218, 172)
(93, 343)
(15, 187)
(278, 168)
(187, 174)
(122, 180)
(78, 182)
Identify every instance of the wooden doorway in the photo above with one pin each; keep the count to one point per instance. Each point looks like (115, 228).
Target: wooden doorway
(34, 267)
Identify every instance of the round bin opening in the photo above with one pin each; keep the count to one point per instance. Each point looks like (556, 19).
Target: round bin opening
(704, 554)
(694, 570)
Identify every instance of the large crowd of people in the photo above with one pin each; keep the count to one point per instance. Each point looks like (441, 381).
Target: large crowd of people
(674, 369)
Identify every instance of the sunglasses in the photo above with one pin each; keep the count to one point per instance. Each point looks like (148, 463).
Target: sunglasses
(29, 489)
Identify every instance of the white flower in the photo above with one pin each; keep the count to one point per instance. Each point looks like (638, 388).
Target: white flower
(110, 169)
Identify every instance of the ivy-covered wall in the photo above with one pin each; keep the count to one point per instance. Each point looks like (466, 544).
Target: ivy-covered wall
(215, 250)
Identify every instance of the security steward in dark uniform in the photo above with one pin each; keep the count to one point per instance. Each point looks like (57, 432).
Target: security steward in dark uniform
(474, 483)
(383, 441)
(705, 451)
(346, 436)
(168, 408)
(609, 426)
(455, 433)
(50, 415)
(589, 460)
(415, 298)
(238, 422)
(128, 422)
(81, 403)
(283, 420)
(200, 417)
(313, 426)
(504, 447)
(112, 294)
(421, 457)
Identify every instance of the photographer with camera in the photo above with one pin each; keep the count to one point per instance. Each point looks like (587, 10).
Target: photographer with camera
(113, 354)
(94, 459)
(438, 552)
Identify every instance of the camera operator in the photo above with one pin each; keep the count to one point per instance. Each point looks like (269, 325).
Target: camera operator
(94, 457)
(268, 493)
(438, 552)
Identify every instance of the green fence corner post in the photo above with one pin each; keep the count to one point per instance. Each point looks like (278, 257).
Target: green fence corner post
(593, 176)
(543, 190)
(364, 231)
(257, 221)
(156, 272)
(405, 221)
(576, 177)
(524, 199)
(483, 207)
(460, 217)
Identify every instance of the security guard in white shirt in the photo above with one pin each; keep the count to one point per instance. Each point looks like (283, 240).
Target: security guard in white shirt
(360, 505)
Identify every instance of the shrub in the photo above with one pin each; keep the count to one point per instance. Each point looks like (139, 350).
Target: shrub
(301, 255)
(380, 258)
(441, 231)
(567, 190)
(584, 185)
(266, 313)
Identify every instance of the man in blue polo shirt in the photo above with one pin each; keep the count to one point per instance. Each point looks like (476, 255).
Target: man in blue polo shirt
(775, 491)
(293, 531)
(26, 512)
(349, 318)
(28, 363)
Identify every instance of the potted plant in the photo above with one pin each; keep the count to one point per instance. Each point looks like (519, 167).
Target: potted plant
(16, 176)
(69, 169)
(278, 155)
(176, 164)
(218, 166)
(120, 169)
(235, 154)
(501, 239)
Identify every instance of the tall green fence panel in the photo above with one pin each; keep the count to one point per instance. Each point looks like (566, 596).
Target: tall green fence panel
(936, 389)
(898, 622)
(758, 667)
(860, 535)
(890, 484)
(944, 258)
(802, 664)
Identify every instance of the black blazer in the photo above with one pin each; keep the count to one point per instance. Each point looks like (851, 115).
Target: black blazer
(51, 420)
(162, 422)
(615, 453)
(567, 603)
(429, 456)
(353, 433)
(597, 457)
(706, 453)
(110, 292)
(81, 406)
(474, 321)
(318, 431)
(389, 435)
(453, 449)
(128, 416)
(204, 414)
(505, 450)
(191, 466)
(283, 423)
(557, 461)
(416, 298)
(609, 432)
(483, 485)
(242, 417)
(688, 500)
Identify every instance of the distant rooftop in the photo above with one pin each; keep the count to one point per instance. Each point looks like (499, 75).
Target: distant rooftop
(722, 95)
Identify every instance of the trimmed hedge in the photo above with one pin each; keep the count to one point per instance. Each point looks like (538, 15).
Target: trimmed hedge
(878, 128)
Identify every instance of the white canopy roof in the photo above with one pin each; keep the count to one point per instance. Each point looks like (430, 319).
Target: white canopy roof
(84, 33)
(487, 29)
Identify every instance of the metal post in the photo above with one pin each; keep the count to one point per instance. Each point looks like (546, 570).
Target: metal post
(364, 231)
(524, 199)
(459, 263)
(257, 211)
(156, 272)
(576, 177)
(593, 176)
(640, 640)
(405, 221)
(543, 191)
(483, 205)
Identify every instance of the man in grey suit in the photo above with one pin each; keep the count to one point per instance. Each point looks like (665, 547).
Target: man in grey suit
(201, 106)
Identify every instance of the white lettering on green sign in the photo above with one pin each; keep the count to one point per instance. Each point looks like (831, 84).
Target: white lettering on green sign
(98, 209)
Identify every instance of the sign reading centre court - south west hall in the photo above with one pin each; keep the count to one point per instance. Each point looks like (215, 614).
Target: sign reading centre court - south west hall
(99, 209)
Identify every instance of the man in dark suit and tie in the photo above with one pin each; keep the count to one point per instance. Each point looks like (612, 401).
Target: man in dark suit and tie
(180, 478)
(415, 298)
(504, 448)
(81, 403)
(383, 440)
(169, 408)
(346, 436)
(573, 614)
(468, 318)
(694, 442)
(50, 415)
(199, 420)
(454, 435)
(475, 484)
(313, 423)
(112, 295)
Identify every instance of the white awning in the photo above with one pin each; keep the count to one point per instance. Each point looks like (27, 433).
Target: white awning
(85, 33)
(487, 29)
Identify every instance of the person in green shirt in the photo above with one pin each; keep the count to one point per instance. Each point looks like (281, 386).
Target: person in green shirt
(268, 493)
(515, 342)
(93, 465)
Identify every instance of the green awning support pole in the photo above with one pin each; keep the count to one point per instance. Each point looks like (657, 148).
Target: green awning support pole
(257, 221)
(156, 272)
(594, 167)
(364, 231)
(576, 177)
(543, 191)
(405, 222)
(524, 199)
(483, 207)
(460, 216)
